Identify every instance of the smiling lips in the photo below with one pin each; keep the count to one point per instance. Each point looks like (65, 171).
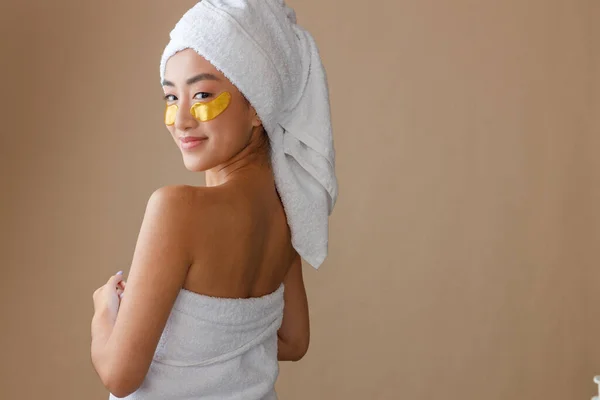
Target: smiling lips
(188, 142)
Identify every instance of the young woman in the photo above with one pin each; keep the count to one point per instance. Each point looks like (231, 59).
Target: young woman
(215, 295)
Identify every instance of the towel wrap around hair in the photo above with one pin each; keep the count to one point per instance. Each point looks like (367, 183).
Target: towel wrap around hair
(275, 64)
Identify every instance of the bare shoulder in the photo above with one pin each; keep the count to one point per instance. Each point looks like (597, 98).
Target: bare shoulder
(173, 195)
(172, 201)
(191, 206)
(181, 199)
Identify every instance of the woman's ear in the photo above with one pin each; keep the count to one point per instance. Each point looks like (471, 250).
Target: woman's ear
(255, 118)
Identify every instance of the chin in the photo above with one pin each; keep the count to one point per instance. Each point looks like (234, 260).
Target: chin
(195, 166)
(198, 162)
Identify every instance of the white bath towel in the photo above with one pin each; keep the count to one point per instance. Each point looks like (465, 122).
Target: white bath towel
(275, 63)
(216, 349)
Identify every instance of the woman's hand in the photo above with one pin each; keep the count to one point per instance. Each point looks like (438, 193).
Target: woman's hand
(107, 298)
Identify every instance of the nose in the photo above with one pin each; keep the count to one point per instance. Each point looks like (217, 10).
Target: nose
(184, 119)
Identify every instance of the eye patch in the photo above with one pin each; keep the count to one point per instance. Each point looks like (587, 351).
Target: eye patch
(202, 111)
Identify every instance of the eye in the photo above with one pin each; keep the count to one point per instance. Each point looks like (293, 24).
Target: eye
(170, 97)
(203, 95)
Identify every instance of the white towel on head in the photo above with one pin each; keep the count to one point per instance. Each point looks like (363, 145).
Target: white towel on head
(275, 63)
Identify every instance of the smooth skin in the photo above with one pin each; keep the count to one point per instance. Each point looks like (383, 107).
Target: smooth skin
(229, 238)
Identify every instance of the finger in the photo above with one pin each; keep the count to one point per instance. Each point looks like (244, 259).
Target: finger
(122, 284)
(114, 280)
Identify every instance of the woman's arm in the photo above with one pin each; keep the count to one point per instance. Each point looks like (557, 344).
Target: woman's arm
(124, 341)
(294, 333)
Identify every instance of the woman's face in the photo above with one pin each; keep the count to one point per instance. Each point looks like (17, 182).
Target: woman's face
(190, 79)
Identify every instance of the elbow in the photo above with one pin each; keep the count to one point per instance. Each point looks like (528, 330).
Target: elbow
(120, 392)
(301, 349)
(292, 351)
(118, 382)
(120, 375)
(298, 354)
(119, 386)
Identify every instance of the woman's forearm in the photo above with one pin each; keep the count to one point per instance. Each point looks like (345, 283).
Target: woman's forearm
(102, 325)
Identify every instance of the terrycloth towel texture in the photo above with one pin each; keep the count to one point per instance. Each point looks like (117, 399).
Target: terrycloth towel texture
(216, 349)
(275, 63)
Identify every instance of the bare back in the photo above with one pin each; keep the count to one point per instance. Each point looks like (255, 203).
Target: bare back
(243, 244)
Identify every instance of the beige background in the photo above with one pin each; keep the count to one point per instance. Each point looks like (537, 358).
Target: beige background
(465, 244)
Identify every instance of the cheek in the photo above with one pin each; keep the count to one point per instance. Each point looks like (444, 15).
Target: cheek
(233, 127)
(171, 130)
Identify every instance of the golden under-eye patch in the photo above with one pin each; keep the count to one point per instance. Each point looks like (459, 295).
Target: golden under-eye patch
(201, 111)
(170, 114)
(212, 109)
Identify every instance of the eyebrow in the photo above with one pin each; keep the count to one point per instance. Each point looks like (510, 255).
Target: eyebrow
(194, 79)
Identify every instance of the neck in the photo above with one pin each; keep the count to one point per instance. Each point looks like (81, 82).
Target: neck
(253, 159)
